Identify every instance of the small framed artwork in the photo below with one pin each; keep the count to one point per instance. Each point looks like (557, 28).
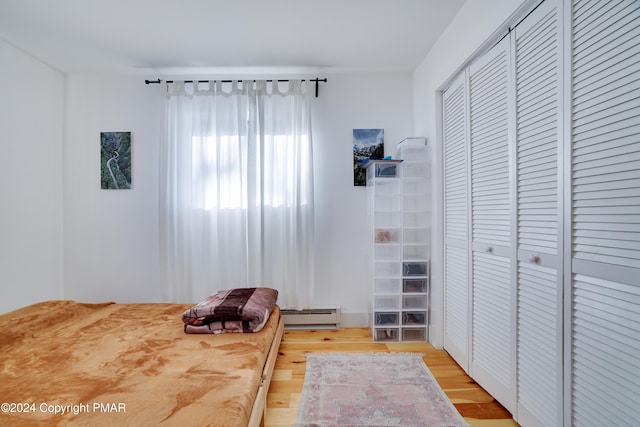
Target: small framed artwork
(367, 144)
(115, 160)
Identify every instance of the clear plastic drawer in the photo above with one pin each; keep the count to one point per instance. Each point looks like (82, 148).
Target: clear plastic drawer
(414, 334)
(390, 187)
(386, 252)
(414, 170)
(415, 203)
(387, 219)
(386, 170)
(414, 318)
(387, 318)
(416, 235)
(386, 334)
(416, 219)
(387, 286)
(415, 301)
(388, 200)
(386, 302)
(415, 251)
(414, 186)
(415, 268)
(415, 285)
(414, 153)
(387, 269)
(386, 235)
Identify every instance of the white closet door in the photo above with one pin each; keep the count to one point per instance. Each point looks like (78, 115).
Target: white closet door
(456, 218)
(605, 388)
(493, 293)
(538, 75)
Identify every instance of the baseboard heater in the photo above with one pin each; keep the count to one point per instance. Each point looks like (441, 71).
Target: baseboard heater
(312, 318)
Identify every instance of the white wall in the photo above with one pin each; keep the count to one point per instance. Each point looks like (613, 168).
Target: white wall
(31, 134)
(111, 236)
(477, 23)
(350, 102)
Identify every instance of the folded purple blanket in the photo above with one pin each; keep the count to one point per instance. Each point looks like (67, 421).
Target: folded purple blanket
(232, 310)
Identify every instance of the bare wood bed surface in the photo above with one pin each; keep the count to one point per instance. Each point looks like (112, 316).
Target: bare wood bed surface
(128, 364)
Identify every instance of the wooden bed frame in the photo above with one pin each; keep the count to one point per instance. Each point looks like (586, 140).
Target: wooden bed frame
(259, 410)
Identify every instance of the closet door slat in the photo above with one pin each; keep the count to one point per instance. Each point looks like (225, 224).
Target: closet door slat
(539, 349)
(605, 167)
(456, 218)
(538, 164)
(606, 350)
(489, 131)
(492, 348)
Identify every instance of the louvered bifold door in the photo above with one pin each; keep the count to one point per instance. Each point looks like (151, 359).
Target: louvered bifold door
(606, 213)
(456, 218)
(493, 291)
(538, 78)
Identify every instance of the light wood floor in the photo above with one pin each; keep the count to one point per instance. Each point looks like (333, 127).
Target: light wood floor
(477, 407)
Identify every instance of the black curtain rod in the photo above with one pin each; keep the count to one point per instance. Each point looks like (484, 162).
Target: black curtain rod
(316, 80)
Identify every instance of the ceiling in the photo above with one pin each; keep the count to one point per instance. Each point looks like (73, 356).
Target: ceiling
(207, 36)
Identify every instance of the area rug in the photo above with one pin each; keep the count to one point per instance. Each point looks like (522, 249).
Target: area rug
(374, 389)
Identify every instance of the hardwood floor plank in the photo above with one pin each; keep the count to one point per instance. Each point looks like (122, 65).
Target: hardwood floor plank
(491, 423)
(282, 374)
(292, 386)
(483, 411)
(281, 416)
(278, 400)
(469, 395)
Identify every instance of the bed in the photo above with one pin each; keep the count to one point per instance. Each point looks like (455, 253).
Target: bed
(71, 363)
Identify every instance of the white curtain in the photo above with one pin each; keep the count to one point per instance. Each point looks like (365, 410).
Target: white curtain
(236, 190)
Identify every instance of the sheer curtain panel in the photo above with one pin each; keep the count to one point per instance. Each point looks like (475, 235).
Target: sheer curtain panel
(236, 189)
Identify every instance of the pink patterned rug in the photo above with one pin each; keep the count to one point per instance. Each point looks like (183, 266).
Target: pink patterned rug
(374, 389)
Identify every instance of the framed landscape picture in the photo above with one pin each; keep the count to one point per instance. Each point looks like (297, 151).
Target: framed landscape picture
(367, 144)
(115, 160)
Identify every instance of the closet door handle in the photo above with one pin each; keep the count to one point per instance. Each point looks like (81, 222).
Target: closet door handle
(535, 259)
(489, 249)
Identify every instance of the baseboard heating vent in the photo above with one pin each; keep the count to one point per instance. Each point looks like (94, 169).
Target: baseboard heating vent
(312, 318)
